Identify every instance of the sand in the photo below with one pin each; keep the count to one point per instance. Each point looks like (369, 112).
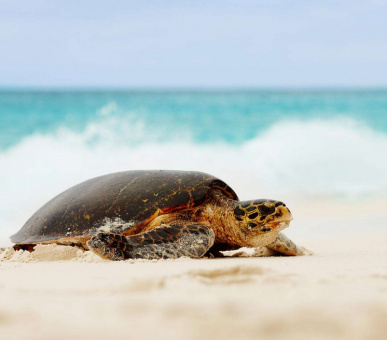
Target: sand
(340, 292)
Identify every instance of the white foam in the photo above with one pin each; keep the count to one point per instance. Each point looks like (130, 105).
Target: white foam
(293, 159)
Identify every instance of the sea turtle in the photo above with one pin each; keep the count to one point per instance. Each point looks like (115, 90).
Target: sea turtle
(153, 214)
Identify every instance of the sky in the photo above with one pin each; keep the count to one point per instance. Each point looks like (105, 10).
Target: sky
(154, 44)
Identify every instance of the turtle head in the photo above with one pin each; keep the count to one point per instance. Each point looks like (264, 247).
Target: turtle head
(261, 220)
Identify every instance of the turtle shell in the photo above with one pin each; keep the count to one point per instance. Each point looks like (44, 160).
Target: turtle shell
(132, 197)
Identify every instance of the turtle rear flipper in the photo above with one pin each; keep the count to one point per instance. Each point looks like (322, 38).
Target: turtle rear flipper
(166, 242)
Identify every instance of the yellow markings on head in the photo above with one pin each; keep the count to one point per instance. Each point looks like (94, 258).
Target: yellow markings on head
(86, 216)
(257, 213)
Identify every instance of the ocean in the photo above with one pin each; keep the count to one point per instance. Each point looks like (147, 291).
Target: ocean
(289, 145)
(233, 117)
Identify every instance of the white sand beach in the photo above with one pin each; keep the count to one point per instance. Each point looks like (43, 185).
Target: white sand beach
(340, 292)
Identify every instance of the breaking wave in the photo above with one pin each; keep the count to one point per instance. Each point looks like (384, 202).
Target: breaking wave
(296, 160)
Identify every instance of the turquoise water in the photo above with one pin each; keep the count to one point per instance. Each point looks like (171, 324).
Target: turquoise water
(228, 116)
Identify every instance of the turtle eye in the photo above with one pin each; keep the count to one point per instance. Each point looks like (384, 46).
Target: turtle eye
(251, 225)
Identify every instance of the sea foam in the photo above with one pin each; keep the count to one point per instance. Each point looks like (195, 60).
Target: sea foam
(292, 160)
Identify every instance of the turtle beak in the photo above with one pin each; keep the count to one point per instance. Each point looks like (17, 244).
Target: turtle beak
(279, 220)
(285, 213)
(285, 217)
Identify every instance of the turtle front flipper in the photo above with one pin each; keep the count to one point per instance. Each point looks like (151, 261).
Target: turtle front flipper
(285, 246)
(165, 242)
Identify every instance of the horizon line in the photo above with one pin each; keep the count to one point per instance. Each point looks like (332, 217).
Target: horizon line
(189, 88)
